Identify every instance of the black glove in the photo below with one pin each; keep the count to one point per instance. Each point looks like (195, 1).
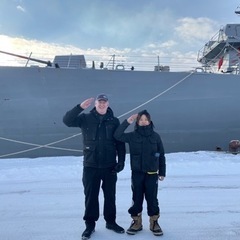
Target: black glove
(119, 167)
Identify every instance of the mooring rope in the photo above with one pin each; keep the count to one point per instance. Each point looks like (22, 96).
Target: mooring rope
(49, 145)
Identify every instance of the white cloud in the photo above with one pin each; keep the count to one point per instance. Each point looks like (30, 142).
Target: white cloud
(199, 29)
(20, 8)
(142, 58)
(47, 51)
(168, 44)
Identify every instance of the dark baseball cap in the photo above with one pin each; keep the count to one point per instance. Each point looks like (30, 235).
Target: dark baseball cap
(102, 97)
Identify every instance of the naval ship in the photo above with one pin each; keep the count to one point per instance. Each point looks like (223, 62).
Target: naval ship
(191, 110)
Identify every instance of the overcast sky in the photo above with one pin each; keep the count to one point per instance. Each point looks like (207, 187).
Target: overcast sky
(158, 27)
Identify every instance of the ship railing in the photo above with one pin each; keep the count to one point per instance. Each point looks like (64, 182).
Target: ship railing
(219, 38)
(117, 62)
(142, 63)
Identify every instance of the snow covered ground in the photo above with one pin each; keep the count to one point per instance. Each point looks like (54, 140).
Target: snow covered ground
(42, 199)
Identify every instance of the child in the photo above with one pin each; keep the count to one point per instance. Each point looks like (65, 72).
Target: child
(147, 165)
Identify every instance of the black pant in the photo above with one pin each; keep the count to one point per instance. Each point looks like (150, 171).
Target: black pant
(144, 184)
(92, 179)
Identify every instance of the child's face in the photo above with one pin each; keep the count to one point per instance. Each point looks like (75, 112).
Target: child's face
(143, 121)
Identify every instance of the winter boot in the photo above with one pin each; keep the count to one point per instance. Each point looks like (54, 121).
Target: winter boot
(90, 228)
(154, 226)
(115, 227)
(136, 224)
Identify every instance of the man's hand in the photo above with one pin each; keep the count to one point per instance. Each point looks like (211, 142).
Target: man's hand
(85, 104)
(119, 167)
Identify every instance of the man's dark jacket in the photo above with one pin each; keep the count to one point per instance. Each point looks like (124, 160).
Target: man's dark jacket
(146, 148)
(100, 148)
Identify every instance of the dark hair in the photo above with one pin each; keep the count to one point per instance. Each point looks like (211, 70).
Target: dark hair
(143, 112)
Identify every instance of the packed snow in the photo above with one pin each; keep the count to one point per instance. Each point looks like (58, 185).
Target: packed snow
(42, 199)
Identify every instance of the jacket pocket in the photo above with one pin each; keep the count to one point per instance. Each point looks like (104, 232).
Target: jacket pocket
(89, 153)
(153, 161)
(136, 163)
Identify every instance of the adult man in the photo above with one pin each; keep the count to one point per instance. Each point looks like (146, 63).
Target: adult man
(100, 166)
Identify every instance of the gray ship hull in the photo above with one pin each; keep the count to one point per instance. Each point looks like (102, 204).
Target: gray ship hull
(191, 111)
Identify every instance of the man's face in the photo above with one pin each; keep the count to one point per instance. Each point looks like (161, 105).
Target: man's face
(101, 106)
